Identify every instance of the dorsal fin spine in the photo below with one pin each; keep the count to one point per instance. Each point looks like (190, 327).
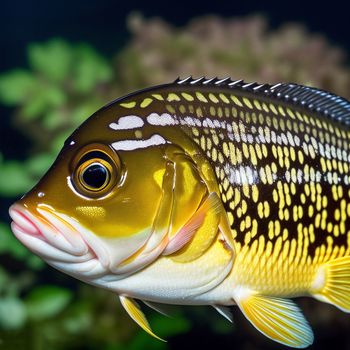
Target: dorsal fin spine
(322, 102)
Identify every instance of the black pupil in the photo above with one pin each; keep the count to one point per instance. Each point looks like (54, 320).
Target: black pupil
(95, 176)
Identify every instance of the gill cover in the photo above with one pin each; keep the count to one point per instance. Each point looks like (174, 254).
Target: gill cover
(189, 216)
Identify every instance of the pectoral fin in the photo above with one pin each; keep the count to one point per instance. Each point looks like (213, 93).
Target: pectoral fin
(134, 311)
(203, 235)
(157, 307)
(224, 311)
(277, 318)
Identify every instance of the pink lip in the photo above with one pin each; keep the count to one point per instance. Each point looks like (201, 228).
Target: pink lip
(23, 223)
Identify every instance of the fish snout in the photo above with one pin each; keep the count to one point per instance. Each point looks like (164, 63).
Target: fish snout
(40, 227)
(23, 222)
(49, 235)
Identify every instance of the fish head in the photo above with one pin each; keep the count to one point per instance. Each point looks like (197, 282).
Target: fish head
(102, 205)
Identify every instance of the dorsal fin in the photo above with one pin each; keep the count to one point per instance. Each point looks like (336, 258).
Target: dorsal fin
(315, 100)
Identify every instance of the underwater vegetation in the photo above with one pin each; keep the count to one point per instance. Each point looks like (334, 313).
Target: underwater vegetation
(66, 82)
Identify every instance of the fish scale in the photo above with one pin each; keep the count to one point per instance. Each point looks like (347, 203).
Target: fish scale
(204, 191)
(308, 233)
(270, 146)
(289, 148)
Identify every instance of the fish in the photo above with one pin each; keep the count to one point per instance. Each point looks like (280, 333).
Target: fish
(204, 191)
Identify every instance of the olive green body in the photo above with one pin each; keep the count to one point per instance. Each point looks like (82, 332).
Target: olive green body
(204, 191)
(282, 172)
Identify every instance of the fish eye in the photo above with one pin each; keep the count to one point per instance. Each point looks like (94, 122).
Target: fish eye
(95, 176)
(95, 172)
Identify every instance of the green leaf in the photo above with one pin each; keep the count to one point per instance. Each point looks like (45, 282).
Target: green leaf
(142, 340)
(6, 238)
(166, 326)
(47, 301)
(84, 111)
(16, 86)
(79, 318)
(17, 178)
(53, 119)
(4, 278)
(34, 108)
(13, 313)
(14, 178)
(39, 164)
(58, 142)
(10, 244)
(35, 262)
(44, 99)
(91, 70)
(52, 59)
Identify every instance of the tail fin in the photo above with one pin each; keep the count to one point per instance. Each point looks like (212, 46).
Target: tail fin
(332, 283)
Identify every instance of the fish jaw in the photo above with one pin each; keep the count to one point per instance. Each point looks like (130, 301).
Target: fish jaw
(73, 249)
(56, 241)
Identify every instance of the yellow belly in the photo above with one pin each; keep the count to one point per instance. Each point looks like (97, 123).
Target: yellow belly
(280, 269)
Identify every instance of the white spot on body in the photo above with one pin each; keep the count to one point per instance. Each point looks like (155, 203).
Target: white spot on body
(284, 139)
(217, 123)
(318, 176)
(198, 122)
(321, 149)
(231, 136)
(250, 138)
(162, 119)
(329, 178)
(130, 145)
(274, 137)
(287, 176)
(300, 176)
(314, 143)
(290, 138)
(128, 122)
(339, 154)
(189, 121)
(209, 123)
(242, 175)
(237, 137)
(333, 152)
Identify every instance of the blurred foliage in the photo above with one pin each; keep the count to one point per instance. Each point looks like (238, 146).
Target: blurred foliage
(240, 48)
(63, 84)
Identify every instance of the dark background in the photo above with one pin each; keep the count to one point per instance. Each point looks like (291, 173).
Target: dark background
(101, 22)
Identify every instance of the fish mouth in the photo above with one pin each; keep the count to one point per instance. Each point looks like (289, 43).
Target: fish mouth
(48, 235)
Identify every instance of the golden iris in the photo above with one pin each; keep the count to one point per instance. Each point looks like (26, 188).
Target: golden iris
(95, 172)
(95, 175)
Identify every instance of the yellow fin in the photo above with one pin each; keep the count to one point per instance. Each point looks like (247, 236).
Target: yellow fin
(199, 232)
(332, 283)
(134, 311)
(277, 318)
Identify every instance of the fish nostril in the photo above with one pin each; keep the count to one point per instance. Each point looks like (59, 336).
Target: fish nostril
(23, 221)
